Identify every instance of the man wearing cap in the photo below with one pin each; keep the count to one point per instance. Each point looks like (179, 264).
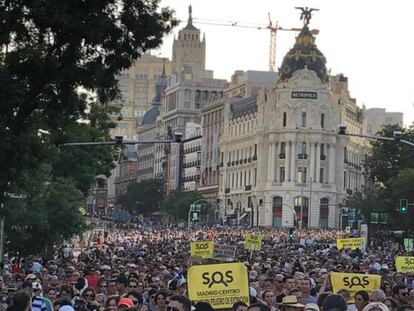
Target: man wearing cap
(182, 287)
(40, 303)
(311, 307)
(125, 303)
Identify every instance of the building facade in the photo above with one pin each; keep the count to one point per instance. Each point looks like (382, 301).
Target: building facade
(375, 118)
(137, 86)
(191, 157)
(148, 154)
(283, 160)
(243, 84)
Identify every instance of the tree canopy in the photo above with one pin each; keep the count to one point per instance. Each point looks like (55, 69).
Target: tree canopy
(52, 49)
(144, 197)
(58, 67)
(390, 170)
(177, 204)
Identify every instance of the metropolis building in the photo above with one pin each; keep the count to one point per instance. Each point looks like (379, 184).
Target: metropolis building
(281, 155)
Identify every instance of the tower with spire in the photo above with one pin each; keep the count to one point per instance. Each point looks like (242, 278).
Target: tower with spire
(189, 49)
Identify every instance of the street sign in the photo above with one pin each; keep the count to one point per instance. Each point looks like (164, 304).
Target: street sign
(220, 285)
(373, 218)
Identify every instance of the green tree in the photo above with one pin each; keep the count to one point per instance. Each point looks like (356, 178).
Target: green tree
(84, 164)
(387, 159)
(49, 50)
(47, 212)
(177, 204)
(390, 170)
(143, 197)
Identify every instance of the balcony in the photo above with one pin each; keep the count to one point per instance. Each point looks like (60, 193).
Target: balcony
(282, 155)
(302, 156)
(248, 188)
(323, 157)
(255, 157)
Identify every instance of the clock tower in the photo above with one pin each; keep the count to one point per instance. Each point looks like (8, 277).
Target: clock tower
(189, 50)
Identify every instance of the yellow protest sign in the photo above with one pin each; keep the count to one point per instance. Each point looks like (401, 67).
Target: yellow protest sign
(253, 241)
(221, 285)
(354, 282)
(404, 264)
(204, 249)
(352, 243)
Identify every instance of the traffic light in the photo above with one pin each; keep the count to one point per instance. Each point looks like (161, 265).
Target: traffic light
(291, 233)
(403, 206)
(119, 140)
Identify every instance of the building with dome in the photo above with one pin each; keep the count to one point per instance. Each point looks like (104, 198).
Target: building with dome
(150, 155)
(282, 159)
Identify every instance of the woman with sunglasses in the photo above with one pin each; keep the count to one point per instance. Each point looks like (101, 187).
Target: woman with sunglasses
(89, 296)
(132, 284)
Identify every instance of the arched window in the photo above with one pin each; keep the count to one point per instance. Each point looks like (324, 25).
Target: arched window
(302, 210)
(324, 213)
(277, 212)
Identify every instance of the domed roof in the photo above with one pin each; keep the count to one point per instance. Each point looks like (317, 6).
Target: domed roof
(151, 115)
(304, 54)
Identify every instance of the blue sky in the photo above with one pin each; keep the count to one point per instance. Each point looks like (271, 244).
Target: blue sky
(368, 41)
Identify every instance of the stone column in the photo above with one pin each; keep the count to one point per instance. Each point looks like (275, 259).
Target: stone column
(272, 162)
(293, 161)
(318, 162)
(312, 160)
(331, 161)
(269, 162)
(275, 167)
(287, 160)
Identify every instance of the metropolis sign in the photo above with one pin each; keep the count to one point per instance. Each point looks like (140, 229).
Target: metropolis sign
(305, 95)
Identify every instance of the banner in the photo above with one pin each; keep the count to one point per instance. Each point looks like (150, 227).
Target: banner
(354, 282)
(204, 249)
(404, 264)
(253, 241)
(221, 285)
(352, 243)
(224, 252)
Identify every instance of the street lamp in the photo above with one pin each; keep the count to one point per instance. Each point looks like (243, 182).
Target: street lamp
(397, 136)
(295, 216)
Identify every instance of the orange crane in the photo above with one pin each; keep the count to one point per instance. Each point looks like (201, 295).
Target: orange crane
(273, 27)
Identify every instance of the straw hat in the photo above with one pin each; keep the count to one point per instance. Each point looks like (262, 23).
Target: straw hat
(291, 301)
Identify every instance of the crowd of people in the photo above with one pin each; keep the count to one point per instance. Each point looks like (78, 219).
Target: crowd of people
(146, 270)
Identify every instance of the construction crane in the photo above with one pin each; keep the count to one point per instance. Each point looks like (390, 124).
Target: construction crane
(273, 27)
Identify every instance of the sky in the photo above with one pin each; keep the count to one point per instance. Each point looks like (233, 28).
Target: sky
(370, 42)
